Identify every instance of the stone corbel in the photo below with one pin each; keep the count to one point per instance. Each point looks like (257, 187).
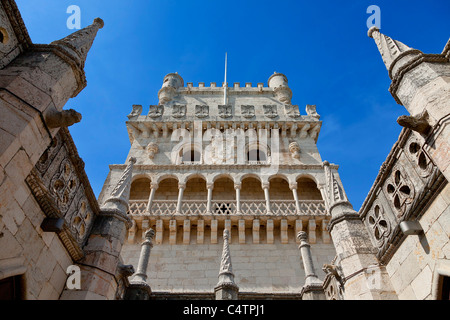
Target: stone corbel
(152, 149)
(304, 131)
(294, 149)
(64, 118)
(417, 123)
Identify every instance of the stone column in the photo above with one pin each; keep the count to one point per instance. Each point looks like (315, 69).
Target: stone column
(139, 289)
(153, 188)
(313, 287)
(181, 187)
(210, 187)
(293, 187)
(226, 289)
(237, 187)
(265, 187)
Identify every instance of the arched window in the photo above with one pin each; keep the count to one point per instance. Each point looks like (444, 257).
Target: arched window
(190, 155)
(256, 155)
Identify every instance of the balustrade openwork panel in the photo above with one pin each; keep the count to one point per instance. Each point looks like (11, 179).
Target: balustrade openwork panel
(227, 207)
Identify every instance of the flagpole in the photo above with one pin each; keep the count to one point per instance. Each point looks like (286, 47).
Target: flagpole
(225, 84)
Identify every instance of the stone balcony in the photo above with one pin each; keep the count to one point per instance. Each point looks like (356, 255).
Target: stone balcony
(228, 207)
(195, 222)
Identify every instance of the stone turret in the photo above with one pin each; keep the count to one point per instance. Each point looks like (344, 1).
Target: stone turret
(171, 83)
(279, 82)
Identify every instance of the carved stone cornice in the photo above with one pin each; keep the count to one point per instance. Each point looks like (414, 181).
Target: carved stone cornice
(392, 176)
(17, 23)
(195, 166)
(61, 167)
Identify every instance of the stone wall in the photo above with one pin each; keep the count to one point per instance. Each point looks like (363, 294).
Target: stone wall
(413, 268)
(26, 249)
(262, 268)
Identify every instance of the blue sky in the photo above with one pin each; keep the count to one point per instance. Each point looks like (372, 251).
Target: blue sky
(321, 46)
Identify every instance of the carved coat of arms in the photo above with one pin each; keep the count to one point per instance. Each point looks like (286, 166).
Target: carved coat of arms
(248, 111)
(225, 111)
(178, 110)
(201, 111)
(156, 111)
(292, 111)
(270, 111)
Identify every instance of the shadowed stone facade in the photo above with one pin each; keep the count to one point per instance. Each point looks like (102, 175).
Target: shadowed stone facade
(223, 195)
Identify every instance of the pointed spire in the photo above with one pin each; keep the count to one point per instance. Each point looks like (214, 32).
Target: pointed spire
(226, 271)
(391, 50)
(334, 191)
(118, 200)
(226, 289)
(78, 44)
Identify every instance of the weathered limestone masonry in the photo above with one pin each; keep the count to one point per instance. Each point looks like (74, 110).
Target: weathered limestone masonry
(249, 165)
(101, 262)
(407, 211)
(47, 207)
(355, 264)
(421, 83)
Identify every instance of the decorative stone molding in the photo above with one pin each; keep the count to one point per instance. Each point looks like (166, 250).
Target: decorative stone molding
(135, 112)
(400, 190)
(381, 227)
(418, 157)
(311, 111)
(399, 196)
(152, 149)
(294, 149)
(60, 186)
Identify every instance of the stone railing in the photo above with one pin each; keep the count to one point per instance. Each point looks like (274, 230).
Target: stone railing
(226, 207)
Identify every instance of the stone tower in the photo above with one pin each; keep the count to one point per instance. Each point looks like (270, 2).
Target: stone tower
(246, 162)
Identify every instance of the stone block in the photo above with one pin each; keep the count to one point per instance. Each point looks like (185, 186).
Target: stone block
(200, 231)
(46, 263)
(10, 245)
(12, 216)
(421, 284)
(19, 167)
